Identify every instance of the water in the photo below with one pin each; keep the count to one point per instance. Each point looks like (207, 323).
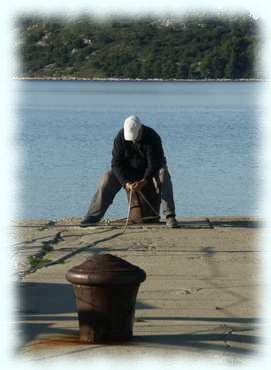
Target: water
(210, 133)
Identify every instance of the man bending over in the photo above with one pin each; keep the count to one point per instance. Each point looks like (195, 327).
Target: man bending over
(137, 157)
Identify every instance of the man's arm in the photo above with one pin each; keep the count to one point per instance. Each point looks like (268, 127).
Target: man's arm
(117, 163)
(155, 156)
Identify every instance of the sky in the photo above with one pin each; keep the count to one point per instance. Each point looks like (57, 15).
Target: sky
(257, 8)
(9, 153)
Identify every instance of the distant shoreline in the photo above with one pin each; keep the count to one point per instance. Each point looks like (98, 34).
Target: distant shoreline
(66, 78)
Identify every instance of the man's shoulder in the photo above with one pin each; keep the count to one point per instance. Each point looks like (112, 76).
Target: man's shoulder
(150, 133)
(120, 135)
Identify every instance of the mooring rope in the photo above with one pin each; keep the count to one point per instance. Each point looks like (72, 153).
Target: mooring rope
(33, 269)
(128, 212)
(106, 221)
(148, 203)
(129, 209)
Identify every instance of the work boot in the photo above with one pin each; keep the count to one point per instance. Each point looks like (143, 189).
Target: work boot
(90, 221)
(171, 222)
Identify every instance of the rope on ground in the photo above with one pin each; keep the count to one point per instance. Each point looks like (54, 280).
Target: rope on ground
(84, 248)
(107, 222)
(62, 259)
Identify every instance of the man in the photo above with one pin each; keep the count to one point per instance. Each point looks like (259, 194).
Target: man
(137, 157)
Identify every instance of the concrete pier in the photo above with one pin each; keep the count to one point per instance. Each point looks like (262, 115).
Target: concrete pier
(201, 296)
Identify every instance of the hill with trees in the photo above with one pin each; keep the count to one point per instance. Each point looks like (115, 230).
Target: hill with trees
(195, 47)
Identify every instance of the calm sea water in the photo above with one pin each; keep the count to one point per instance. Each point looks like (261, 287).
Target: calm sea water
(210, 133)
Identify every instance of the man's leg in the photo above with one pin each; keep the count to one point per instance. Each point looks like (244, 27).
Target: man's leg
(167, 200)
(106, 190)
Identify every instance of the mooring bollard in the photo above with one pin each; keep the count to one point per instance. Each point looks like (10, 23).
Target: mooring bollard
(105, 289)
(141, 212)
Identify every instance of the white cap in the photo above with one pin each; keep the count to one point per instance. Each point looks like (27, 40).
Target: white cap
(132, 126)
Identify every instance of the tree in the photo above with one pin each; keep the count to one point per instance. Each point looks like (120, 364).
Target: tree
(194, 47)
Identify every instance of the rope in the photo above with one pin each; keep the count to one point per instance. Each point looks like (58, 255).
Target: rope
(148, 203)
(128, 213)
(107, 221)
(84, 248)
(129, 209)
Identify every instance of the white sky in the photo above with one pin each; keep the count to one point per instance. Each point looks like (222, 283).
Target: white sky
(9, 157)
(255, 7)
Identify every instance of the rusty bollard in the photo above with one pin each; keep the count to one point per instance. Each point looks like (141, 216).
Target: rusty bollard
(105, 289)
(140, 211)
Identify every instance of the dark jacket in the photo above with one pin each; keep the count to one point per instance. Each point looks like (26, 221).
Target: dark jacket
(135, 161)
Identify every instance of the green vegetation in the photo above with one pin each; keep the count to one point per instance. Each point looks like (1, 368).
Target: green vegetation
(195, 47)
(38, 262)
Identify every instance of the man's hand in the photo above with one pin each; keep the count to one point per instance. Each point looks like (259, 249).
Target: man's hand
(138, 185)
(129, 186)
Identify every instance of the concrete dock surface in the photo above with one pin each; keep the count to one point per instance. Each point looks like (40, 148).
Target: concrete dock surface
(200, 298)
